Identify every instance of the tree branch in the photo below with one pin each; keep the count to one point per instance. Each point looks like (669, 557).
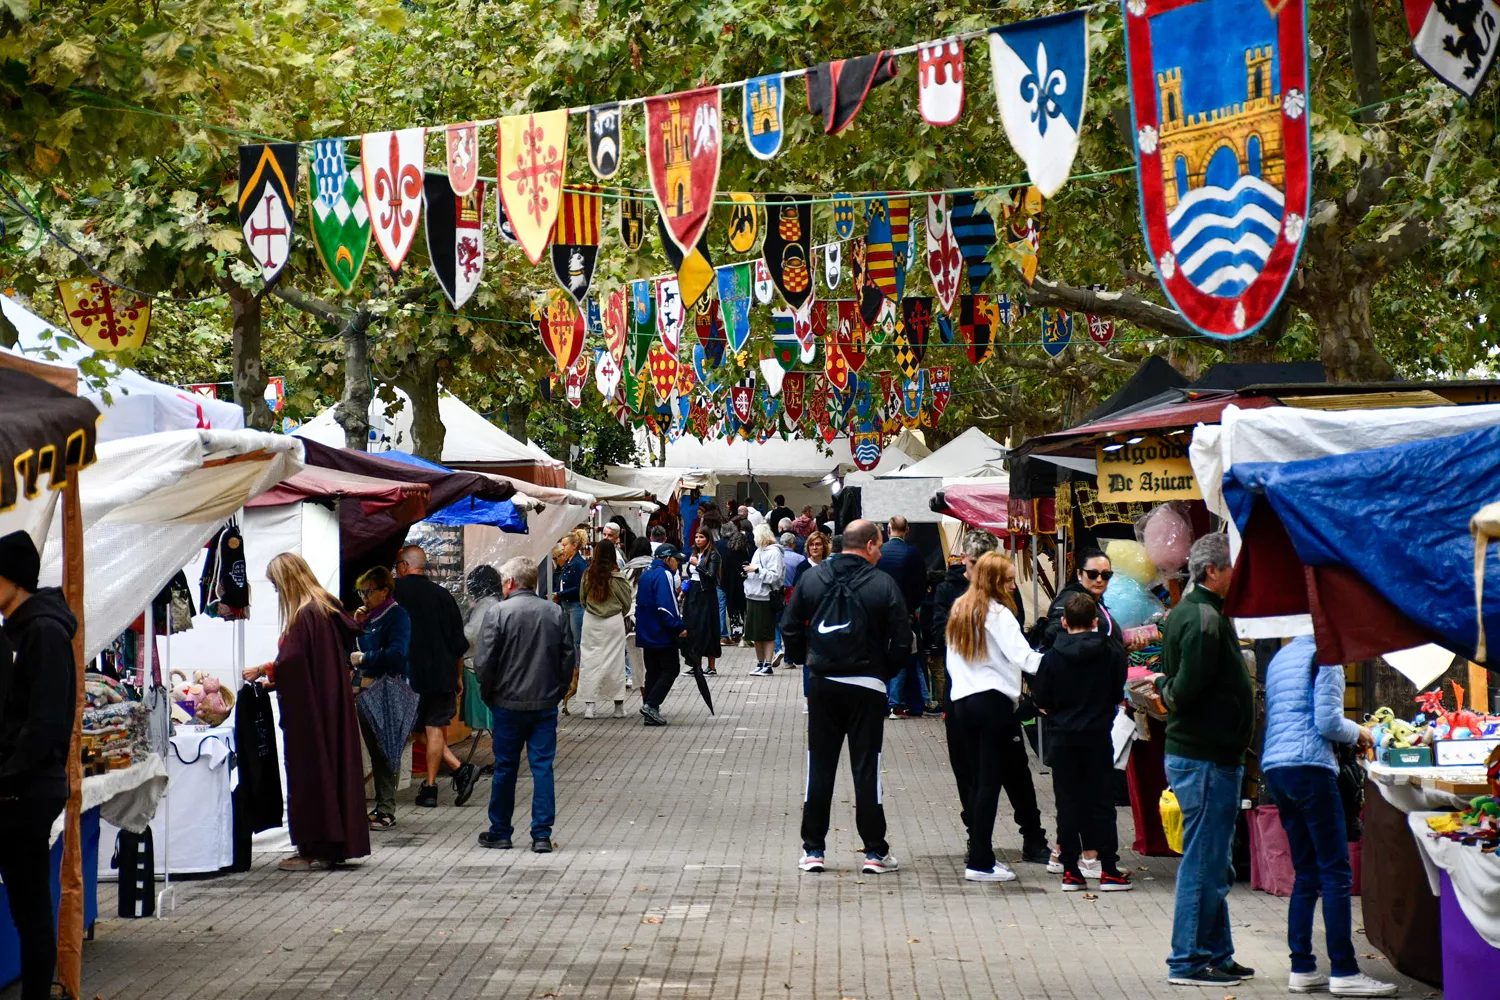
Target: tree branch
(298, 299)
(1380, 255)
(1364, 55)
(1118, 305)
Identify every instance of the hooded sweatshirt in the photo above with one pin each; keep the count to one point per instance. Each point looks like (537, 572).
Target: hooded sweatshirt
(1081, 680)
(37, 697)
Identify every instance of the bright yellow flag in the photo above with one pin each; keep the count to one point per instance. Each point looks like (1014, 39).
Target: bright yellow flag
(104, 317)
(532, 156)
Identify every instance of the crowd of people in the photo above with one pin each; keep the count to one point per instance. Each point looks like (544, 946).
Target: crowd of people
(876, 637)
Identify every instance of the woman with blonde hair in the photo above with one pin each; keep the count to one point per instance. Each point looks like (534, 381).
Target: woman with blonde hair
(607, 599)
(764, 577)
(987, 654)
(325, 780)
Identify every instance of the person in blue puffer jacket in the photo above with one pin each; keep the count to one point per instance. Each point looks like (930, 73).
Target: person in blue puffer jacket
(1304, 718)
(658, 629)
(383, 648)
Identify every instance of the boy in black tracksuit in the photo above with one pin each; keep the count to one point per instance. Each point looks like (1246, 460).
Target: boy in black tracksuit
(1079, 684)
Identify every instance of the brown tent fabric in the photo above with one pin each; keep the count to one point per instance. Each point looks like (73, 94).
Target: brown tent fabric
(54, 428)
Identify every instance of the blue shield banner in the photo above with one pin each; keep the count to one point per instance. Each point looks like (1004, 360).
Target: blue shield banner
(734, 303)
(763, 108)
(1041, 71)
(1057, 330)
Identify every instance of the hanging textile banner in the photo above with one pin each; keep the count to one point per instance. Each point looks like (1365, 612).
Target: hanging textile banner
(890, 421)
(575, 241)
(578, 377)
(1101, 329)
(455, 237)
(840, 407)
(695, 271)
(764, 286)
(606, 373)
(615, 328)
(683, 150)
(867, 294)
(880, 251)
(945, 263)
(974, 231)
(1024, 234)
(268, 203)
(944, 327)
(770, 406)
(744, 231)
(632, 222)
(593, 317)
(835, 366)
(849, 335)
(941, 378)
(1456, 41)
(833, 265)
(794, 396)
(901, 257)
(340, 218)
(787, 247)
(507, 231)
(1218, 93)
(741, 406)
(911, 336)
(604, 140)
(103, 317)
(974, 326)
(642, 325)
(462, 142)
(762, 115)
(864, 428)
(784, 346)
(734, 300)
(913, 395)
(813, 331)
(531, 160)
(819, 403)
(1041, 70)
(940, 81)
(1057, 330)
(843, 215)
(710, 329)
(836, 90)
(670, 314)
(663, 365)
(562, 328)
(698, 417)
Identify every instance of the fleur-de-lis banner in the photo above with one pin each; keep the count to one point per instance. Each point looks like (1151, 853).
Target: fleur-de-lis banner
(1041, 71)
(392, 162)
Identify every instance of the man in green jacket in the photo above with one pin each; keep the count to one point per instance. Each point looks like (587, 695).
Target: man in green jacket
(1211, 712)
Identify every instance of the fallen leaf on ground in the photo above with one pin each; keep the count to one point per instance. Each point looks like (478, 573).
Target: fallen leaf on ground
(1089, 895)
(651, 920)
(913, 940)
(625, 947)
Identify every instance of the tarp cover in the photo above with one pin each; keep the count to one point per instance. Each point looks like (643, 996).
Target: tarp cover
(374, 495)
(1393, 520)
(470, 510)
(979, 505)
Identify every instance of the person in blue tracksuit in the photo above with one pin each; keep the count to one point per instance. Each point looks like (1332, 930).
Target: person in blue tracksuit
(658, 629)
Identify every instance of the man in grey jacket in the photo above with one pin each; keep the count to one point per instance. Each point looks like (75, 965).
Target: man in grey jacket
(524, 673)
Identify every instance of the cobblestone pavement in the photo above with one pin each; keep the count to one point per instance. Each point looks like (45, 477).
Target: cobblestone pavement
(675, 876)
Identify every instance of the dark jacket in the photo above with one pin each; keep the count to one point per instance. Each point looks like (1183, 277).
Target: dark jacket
(732, 570)
(888, 646)
(1079, 684)
(528, 659)
(658, 623)
(385, 643)
(949, 589)
(437, 634)
(1055, 627)
(570, 579)
(1204, 683)
(37, 696)
(904, 564)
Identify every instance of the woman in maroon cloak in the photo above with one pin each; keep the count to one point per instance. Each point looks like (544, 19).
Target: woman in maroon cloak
(325, 779)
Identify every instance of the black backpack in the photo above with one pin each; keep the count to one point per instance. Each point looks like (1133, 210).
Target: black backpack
(839, 631)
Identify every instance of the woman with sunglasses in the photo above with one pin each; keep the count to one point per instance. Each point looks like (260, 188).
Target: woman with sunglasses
(1094, 574)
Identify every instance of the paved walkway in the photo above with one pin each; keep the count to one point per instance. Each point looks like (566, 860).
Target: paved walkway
(675, 877)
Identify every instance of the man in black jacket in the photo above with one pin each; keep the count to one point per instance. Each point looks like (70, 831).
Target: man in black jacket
(37, 705)
(434, 659)
(527, 665)
(1080, 681)
(848, 623)
(905, 564)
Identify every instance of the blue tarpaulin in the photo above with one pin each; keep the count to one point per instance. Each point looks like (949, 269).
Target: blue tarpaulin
(467, 510)
(1397, 517)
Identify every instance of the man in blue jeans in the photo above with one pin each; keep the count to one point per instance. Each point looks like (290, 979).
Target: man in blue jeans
(1210, 715)
(524, 673)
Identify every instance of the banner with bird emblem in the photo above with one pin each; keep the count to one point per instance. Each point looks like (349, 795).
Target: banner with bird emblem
(683, 148)
(340, 217)
(762, 115)
(531, 159)
(836, 90)
(787, 248)
(744, 232)
(604, 140)
(268, 203)
(463, 157)
(455, 237)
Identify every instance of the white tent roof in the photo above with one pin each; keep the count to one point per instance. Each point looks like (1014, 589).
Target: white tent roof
(662, 482)
(470, 439)
(136, 405)
(892, 459)
(797, 458)
(607, 492)
(972, 453)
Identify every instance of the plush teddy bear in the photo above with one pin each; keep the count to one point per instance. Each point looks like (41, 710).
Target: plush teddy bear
(213, 707)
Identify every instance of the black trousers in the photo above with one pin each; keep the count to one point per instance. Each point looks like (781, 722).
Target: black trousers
(836, 710)
(1083, 782)
(26, 868)
(990, 755)
(661, 671)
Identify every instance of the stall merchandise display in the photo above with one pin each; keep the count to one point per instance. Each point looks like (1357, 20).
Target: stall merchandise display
(1435, 736)
(1479, 824)
(115, 730)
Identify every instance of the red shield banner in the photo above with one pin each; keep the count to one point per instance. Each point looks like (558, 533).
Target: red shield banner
(663, 367)
(562, 329)
(463, 157)
(614, 324)
(683, 145)
(941, 377)
(794, 396)
(850, 335)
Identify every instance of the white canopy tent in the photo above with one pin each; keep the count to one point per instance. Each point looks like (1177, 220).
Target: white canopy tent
(972, 453)
(662, 482)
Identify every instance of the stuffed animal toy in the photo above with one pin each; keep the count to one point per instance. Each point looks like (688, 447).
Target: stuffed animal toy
(214, 705)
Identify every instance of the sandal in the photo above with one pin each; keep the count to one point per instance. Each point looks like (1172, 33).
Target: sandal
(381, 821)
(297, 863)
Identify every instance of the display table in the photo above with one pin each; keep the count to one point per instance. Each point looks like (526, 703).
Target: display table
(199, 813)
(1468, 883)
(10, 944)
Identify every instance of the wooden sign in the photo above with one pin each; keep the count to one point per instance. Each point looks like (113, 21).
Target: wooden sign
(1153, 469)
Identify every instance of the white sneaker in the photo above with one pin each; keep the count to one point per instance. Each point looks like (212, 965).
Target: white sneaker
(619, 710)
(1089, 868)
(1359, 985)
(1000, 873)
(588, 710)
(812, 861)
(1307, 982)
(776, 660)
(877, 865)
(1054, 864)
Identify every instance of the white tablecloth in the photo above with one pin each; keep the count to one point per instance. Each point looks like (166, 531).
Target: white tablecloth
(1475, 875)
(127, 797)
(1410, 789)
(195, 830)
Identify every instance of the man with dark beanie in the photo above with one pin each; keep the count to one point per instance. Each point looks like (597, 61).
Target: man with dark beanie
(37, 703)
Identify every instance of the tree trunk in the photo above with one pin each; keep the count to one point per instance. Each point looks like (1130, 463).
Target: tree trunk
(1336, 294)
(418, 379)
(515, 419)
(353, 410)
(249, 373)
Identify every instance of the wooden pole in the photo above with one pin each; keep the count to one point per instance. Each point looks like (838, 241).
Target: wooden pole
(70, 906)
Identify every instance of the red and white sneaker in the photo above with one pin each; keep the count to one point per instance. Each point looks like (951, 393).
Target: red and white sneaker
(1073, 883)
(876, 864)
(1115, 883)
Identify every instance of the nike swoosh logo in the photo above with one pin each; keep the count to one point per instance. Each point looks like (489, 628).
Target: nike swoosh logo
(825, 629)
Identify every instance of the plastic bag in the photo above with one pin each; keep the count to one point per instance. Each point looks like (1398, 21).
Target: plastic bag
(1171, 820)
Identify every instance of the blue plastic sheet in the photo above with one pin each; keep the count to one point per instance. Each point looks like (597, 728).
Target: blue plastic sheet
(467, 510)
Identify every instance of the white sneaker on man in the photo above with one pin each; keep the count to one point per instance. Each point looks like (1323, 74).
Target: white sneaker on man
(999, 873)
(1359, 985)
(1307, 982)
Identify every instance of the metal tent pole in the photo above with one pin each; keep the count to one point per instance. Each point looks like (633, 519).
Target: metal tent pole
(167, 891)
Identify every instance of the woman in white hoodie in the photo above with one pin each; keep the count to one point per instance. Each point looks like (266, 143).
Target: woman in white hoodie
(764, 578)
